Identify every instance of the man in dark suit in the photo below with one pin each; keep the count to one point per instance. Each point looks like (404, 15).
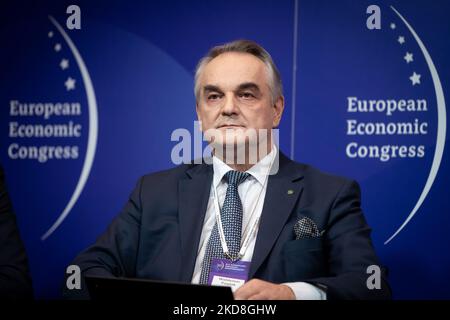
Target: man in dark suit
(15, 280)
(285, 231)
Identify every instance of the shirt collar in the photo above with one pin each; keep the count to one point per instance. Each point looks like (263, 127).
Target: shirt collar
(258, 171)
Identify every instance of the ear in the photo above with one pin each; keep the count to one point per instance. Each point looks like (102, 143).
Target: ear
(278, 108)
(197, 110)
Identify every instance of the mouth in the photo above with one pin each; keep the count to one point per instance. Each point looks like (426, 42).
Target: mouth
(230, 126)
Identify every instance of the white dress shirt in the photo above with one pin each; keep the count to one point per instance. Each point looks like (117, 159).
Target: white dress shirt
(252, 193)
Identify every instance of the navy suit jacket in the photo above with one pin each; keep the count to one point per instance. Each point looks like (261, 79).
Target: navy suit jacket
(157, 234)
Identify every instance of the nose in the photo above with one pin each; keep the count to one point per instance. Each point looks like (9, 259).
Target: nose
(230, 106)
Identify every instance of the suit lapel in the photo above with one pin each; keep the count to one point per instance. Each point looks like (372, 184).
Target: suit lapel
(193, 196)
(283, 191)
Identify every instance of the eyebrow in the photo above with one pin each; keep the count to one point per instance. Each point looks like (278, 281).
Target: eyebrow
(248, 86)
(243, 86)
(211, 88)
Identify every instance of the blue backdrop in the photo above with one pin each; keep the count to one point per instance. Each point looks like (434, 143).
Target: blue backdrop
(128, 75)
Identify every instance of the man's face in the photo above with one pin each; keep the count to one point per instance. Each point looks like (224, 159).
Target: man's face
(235, 96)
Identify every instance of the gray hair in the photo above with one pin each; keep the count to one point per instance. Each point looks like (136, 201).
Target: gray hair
(243, 46)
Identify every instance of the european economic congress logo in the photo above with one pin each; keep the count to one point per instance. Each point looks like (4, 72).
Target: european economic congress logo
(46, 130)
(370, 121)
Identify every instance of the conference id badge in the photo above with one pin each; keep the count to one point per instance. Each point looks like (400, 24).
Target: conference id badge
(225, 273)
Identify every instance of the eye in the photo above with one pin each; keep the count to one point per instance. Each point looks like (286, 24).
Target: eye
(246, 95)
(213, 96)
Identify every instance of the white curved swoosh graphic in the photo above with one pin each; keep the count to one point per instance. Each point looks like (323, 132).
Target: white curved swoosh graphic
(442, 125)
(93, 131)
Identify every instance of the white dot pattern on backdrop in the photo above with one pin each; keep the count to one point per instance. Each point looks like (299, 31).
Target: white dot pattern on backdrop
(231, 217)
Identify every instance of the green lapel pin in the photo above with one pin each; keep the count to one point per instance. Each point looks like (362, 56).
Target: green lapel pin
(290, 191)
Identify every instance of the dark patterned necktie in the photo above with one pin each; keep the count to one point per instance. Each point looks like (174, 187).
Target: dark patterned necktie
(231, 217)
